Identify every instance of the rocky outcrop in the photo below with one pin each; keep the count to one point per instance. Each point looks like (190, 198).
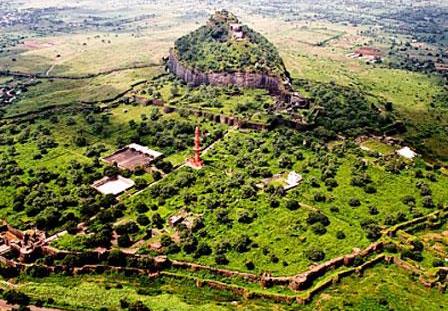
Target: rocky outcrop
(274, 84)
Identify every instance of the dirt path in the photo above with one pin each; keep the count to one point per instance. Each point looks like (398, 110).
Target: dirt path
(49, 70)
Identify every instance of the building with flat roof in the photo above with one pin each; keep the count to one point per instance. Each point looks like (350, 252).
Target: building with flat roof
(133, 156)
(113, 185)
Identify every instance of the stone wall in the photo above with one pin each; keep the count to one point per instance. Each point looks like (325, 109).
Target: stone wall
(304, 280)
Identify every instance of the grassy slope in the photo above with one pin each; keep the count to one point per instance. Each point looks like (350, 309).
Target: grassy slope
(381, 288)
(69, 92)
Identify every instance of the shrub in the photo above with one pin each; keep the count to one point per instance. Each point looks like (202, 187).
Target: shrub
(390, 247)
(242, 244)
(370, 189)
(354, 202)
(428, 202)
(408, 200)
(319, 197)
(245, 218)
(315, 217)
(221, 260)
(190, 245)
(373, 210)
(249, 265)
(143, 220)
(140, 183)
(14, 297)
(203, 250)
(157, 221)
(292, 205)
(315, 255)
(373, 231)
(419, 174)
(334, 209)
(318, 228)
(314, 182)
(438, 263)
(331, 183)
(425, 190)
(124, 241)
(141, 207)
(274, 203)
(358, 261)
(340, 235)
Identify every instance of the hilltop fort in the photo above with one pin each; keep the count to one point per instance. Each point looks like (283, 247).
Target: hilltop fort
(225, 52)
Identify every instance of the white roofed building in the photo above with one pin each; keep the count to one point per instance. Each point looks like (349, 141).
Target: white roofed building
(407, 153)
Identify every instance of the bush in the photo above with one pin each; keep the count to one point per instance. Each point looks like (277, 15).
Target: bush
(14, 297)
(157, 221)
(274, 203)
(249, 265)
(274, 259)
(319, 197)
(221, 260)
(373, 232)
(331, 183)
(138, 306)
(370, 189)
(292, 205)
(315, 217)
(318, 228)
(408, 200)
(438, 263)
(143, 220)
(127, 228)
(315, 255)
(140, 183)
(354, 202)
(373, 210)
(203, 250)
(141, 208)
(340, 235)
(245, 218)
(124, 241)
(428, 202)
(242, 244)
(334, 209)
(391, 248)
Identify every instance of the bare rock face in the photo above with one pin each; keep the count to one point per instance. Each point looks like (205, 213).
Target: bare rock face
(242, 79)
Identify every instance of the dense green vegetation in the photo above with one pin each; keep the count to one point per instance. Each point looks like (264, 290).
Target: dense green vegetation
(47, 167)
(55, 131)
(213, 48)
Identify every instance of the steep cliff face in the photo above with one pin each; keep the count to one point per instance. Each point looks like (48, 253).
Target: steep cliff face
(243, 79)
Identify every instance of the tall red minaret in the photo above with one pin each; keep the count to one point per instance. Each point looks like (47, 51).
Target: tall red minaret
(195, 161)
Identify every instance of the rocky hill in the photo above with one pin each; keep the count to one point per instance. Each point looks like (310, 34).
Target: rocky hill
(224, 44)
(225, 52)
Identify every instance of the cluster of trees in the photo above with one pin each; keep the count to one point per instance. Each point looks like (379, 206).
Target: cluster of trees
(169, 135)
(348, 111)
(318, 222)
(36, 197)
